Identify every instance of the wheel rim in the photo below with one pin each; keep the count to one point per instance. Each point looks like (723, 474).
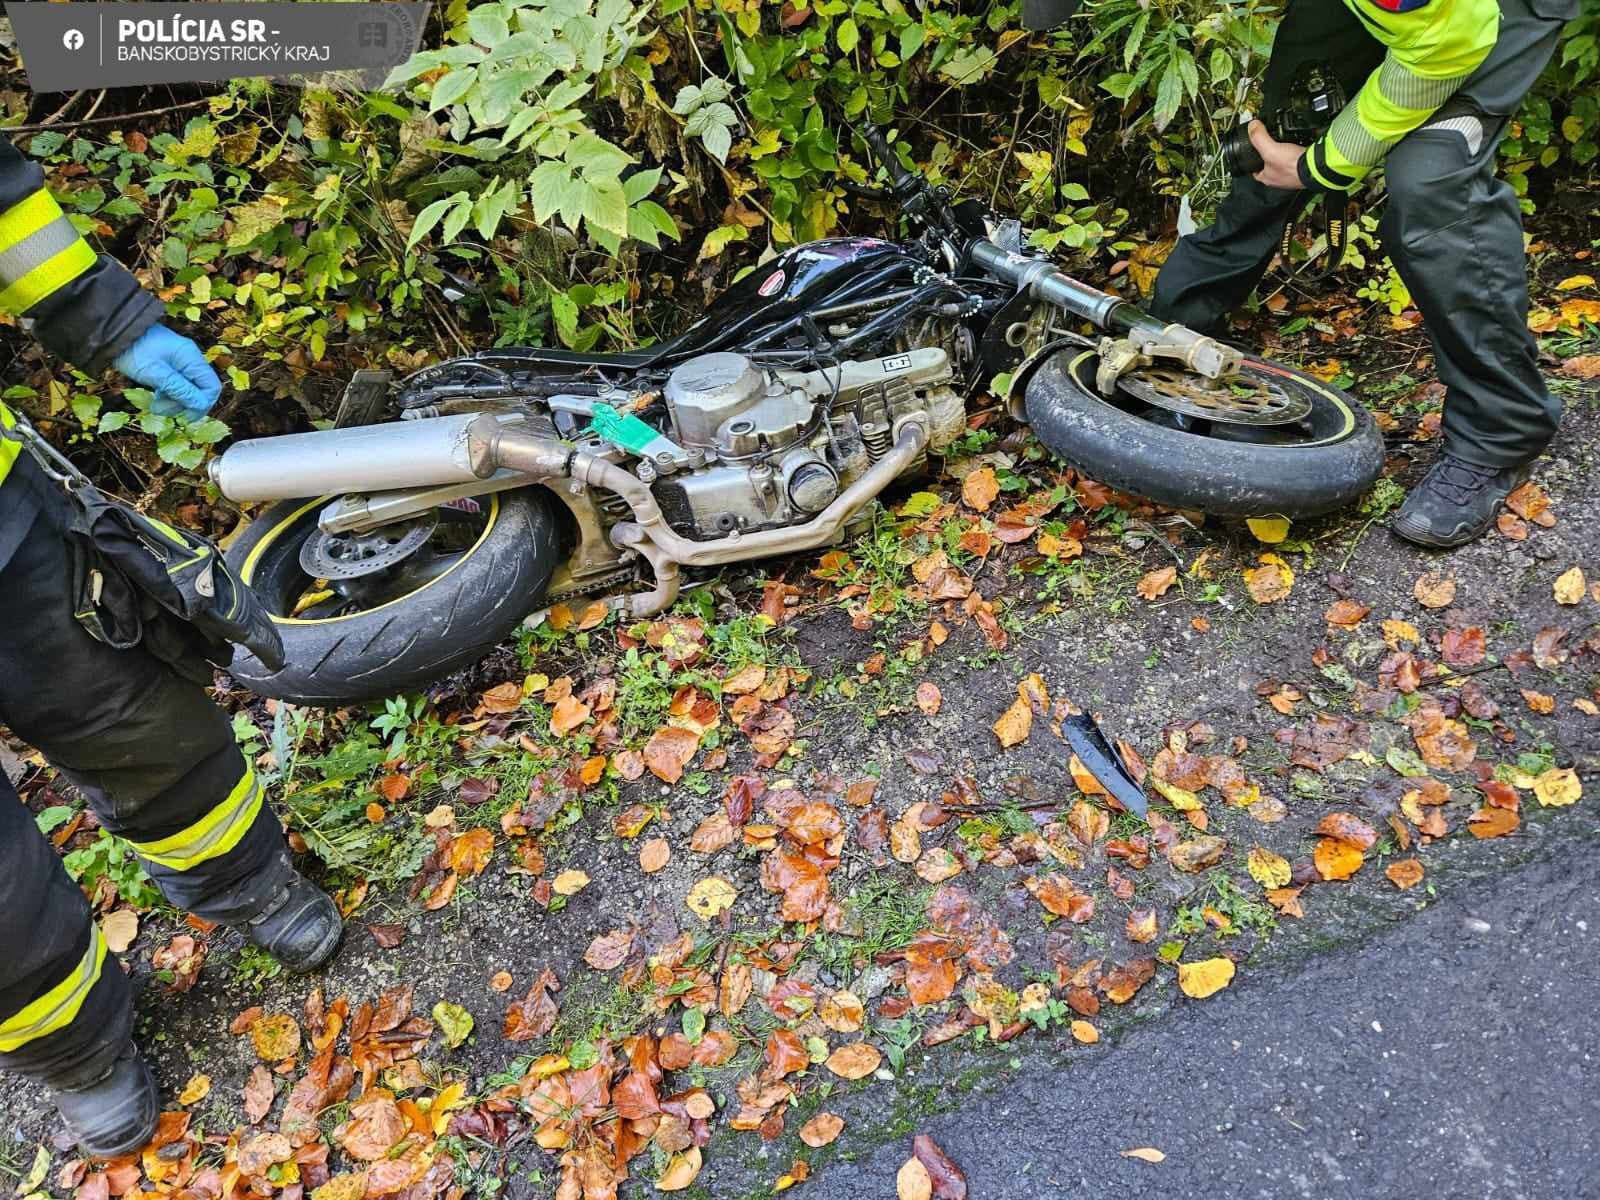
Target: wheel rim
(1327, 416)
(276, 567)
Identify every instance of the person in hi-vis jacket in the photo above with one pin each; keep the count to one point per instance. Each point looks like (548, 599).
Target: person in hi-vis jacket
(147, 749)
(1433, 85)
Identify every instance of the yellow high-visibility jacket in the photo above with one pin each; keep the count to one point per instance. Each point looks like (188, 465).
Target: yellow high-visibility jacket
(1432, 47)
(84, 306)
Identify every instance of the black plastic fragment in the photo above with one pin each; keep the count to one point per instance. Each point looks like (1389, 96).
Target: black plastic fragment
(1102, 761)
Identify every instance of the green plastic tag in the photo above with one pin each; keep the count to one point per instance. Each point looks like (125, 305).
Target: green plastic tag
(622, 429)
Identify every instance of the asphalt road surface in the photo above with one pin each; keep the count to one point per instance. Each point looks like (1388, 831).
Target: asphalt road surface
(1452, 1056)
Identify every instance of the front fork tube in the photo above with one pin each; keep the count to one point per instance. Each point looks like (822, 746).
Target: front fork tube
(1134, 338)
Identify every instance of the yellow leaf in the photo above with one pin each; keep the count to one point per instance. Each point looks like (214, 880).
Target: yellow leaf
(1271, 581)
(119, 929)
(1270, 530)
(681, 1171)
(1181, 799)
(1336, 858)
(979, 488)
(1434, 590)
(196, 1090)
(1573, 282)
(1396, 631)
(569, 883)
(854, 1060)
(276, 1036)
(1147, 1154)
(1558, 787)
(445, 1103)
(1084, 1032)
(1155, 584)
(1570, 586)
(711, 896)
(1082, 780)
(30, 1183)
(912, 1181)
(1268, 869)
(1014, 724)
(342, 1187)
(1404, 873)
(1197, 980)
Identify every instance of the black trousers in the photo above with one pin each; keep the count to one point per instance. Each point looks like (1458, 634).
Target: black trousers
(1452, 229)
(158, 764)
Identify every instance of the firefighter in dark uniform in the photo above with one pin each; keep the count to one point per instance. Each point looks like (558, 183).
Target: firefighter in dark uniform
(154, 758)
(1434, 83)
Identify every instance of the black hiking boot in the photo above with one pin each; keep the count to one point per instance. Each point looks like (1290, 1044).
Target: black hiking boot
(299, 926)
(116, 1113)
(1455, 502)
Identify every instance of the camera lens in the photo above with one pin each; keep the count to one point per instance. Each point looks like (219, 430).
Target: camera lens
(1239, 155)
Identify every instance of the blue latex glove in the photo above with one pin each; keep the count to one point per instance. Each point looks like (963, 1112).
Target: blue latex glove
(173, 367)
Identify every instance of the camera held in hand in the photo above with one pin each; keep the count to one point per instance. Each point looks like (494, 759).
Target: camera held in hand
(1314, 99)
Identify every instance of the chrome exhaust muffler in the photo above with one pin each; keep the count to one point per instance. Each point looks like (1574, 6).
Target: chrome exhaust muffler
(367, 458)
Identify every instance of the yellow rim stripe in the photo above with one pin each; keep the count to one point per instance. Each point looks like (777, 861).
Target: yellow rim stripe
(49, 276)
(213, 834)
(57, 1007)
(247, 569)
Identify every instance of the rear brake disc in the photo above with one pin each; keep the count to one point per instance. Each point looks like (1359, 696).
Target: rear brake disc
(354, 555)
(1238, 399)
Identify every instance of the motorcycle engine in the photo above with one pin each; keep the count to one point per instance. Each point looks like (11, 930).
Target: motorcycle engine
(777, 447)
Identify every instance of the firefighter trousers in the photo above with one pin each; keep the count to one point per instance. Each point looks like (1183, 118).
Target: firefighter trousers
(1452, 229)
(157, 762)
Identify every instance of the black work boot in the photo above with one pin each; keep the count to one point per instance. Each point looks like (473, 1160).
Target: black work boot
(1455, 502)
(116, 1113)
(299, 925)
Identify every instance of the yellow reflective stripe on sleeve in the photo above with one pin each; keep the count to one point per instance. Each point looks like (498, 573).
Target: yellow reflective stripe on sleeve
(52, 274)
(8, 448)
(1432, 50)
(213, 834)
(56, 1008)
(39, 247)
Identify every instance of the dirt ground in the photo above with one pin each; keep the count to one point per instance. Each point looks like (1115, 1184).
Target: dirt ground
(1203, 658)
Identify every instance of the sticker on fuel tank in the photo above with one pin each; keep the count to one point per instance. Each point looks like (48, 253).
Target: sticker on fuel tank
(898, 362)
(771, 284)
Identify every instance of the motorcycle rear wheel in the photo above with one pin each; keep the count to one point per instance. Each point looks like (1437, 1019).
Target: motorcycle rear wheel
(1324, 462)
(487, 569)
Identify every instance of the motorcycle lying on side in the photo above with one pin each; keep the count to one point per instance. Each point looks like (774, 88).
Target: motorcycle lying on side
(397, 550)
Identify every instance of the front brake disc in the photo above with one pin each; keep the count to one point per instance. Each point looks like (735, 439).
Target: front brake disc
(1240, 399)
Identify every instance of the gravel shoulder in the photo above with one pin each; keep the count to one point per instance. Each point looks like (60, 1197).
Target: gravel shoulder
(1389, 1041)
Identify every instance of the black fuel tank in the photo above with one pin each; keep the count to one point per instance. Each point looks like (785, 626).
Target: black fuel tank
(796, 280)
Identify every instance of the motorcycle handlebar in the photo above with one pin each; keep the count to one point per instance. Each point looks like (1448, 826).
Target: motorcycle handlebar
(1048, 283)
(900, 179)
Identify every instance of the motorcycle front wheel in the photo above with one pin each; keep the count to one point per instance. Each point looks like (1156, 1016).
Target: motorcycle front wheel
(406, 604)
(1324, 458)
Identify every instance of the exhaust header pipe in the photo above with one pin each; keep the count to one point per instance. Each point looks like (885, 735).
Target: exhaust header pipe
(367, 458)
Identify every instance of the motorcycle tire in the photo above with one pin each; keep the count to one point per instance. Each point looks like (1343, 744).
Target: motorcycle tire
(1325, 463)
(447, 622)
